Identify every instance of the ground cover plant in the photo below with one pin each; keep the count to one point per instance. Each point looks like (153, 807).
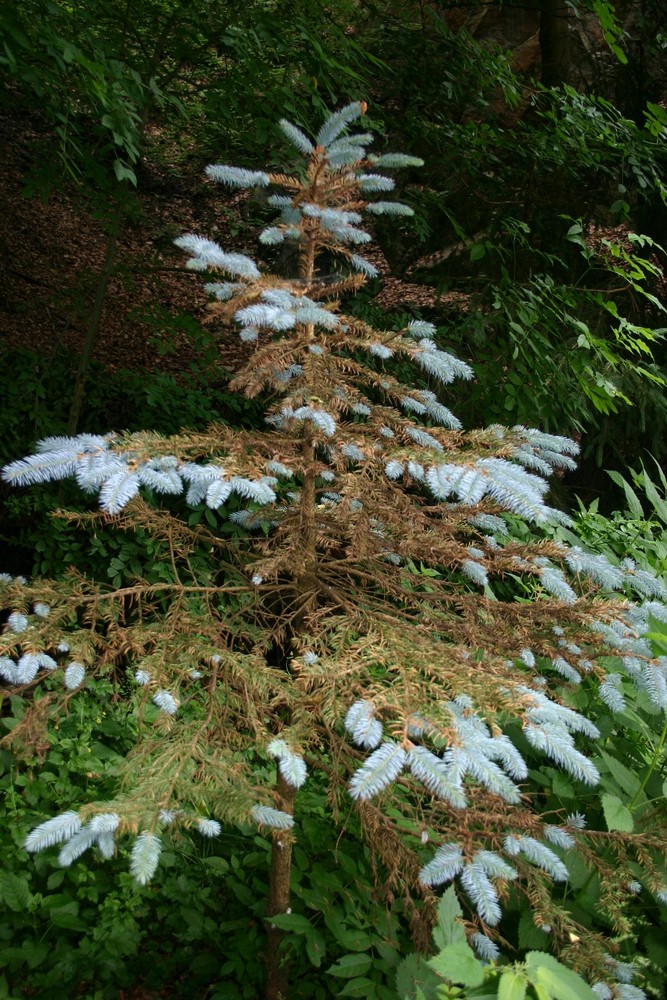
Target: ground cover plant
(348, 618)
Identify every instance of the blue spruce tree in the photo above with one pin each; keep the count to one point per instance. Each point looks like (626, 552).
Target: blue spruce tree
(357, 624)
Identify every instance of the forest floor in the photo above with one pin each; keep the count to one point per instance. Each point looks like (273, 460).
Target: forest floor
(52, 250)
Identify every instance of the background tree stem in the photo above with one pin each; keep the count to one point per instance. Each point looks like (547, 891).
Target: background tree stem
(94, 324)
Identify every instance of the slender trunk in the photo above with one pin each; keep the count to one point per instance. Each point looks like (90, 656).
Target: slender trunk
(113, 235)
(112, 240)
(93, 325)
(554, 42)
(277, 971)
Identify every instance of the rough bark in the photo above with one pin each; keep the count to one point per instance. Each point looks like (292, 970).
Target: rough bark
(277, 971)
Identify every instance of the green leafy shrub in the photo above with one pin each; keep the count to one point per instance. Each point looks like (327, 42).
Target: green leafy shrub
(455, 971)
(84, 930)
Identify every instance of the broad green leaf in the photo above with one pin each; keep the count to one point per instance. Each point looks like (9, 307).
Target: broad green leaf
(55, 879)
(631, 498)
(316, 947)
(35, 952)
(655, 498)
(658, 628)
(530, 936)
(350, 966)
(16, 892)
(628, 781)
(350, 938)
(659, 641)
(656, 946)
(617, 816)
(389, 952)
(512, 985)
(663, 477)
(215, 863)
(555, 979)
(478, 994)
(67, 921)
(563, 787)
(457, 963)
(414, 978)
(359, 987)
(448, 928)
(294, 922)
(124, 173)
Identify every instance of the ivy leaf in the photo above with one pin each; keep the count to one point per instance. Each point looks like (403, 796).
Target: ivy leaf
(617, 816)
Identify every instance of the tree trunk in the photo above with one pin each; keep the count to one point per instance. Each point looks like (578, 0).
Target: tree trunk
(554, 42)
(93, 325)
(277, 971)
